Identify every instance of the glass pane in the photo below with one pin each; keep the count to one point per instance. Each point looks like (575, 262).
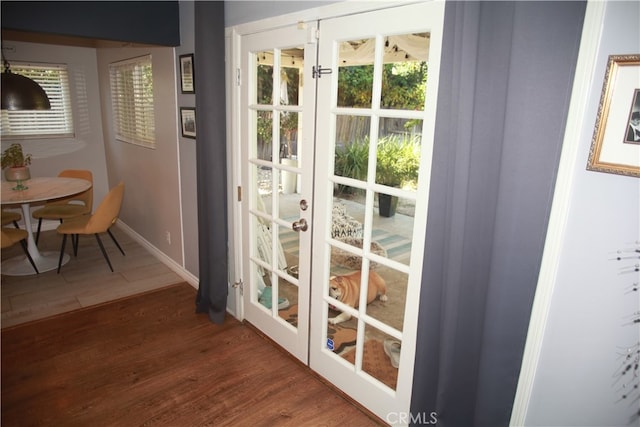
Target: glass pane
(404, 74)
(262, 178)
(262, 247)
(288, 302)
(393, 226)
(347, 218)
(264, 135)
(352, 146)
(381, 356)
(264, 78)
(341, 336)
(389, 310)
(355, 73)
(290, 129)
(290, 243)
(292, 62)
(398, 153)
(288, 197)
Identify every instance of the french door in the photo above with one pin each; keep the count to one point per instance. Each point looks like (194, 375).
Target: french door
(277, 124)
(337, 131)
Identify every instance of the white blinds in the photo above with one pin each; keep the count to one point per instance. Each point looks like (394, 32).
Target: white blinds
(57, 122)
(132, 100)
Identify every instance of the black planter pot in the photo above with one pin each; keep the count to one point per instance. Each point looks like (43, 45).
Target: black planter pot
(387, 205)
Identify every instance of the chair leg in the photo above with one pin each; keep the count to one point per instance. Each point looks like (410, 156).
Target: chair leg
(114, 240)
(38, 232)
(64, 242)
(15, 224)
(103, 251)
(75, 238)
(26, 252)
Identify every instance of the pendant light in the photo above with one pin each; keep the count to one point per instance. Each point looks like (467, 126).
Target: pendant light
(21, 93)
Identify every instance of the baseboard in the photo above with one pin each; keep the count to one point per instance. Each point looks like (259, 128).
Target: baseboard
(177, 268)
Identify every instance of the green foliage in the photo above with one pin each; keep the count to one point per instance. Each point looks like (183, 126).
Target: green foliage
(397, 160)
(404, 85)
(13, 157)
(354, 86)
(351, 160)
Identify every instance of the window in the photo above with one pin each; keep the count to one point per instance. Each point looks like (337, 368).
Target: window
(132, 100)
(58, 121)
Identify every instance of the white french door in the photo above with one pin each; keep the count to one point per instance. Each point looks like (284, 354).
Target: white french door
(354, 129)
(277, 104)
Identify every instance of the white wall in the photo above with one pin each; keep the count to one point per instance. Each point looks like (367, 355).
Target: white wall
(585, 332)
(86, 149)
(151, 204)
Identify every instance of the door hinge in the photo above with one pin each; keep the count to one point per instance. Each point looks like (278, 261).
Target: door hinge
(239, 285)
(239, 193)
(238, 80)
(319, 71)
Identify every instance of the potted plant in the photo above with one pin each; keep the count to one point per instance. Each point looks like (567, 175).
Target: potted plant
(16, 165)
(397, 164)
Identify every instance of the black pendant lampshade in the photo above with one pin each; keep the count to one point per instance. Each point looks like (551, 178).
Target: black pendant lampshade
(22, 93)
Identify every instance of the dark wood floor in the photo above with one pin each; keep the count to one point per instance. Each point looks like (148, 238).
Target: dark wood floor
(149, 360)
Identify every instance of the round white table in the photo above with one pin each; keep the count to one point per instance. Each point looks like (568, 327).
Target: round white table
(39, 190)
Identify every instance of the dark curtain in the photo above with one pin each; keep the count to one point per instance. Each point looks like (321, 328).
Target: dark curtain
(505, 84)
(211, 158)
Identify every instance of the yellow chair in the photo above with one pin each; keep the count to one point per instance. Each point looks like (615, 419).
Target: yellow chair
(100, 222)
(9, 217)
(67, 207)
(9, 236)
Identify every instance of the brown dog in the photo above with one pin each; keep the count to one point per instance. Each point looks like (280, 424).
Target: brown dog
(346, 289)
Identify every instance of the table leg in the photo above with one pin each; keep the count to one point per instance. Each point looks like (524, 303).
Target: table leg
(45, 261)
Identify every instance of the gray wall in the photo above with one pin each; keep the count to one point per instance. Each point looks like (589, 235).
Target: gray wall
(187, 149)
(585, 332)
(152, 193)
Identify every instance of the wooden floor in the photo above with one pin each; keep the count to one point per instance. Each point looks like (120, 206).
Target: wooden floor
(84, 281)
(149, 360)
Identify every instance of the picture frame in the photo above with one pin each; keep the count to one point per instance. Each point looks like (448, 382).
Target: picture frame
(187, 74)
(615, 146)
(188, 122)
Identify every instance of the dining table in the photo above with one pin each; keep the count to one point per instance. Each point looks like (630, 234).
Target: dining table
(38, 190)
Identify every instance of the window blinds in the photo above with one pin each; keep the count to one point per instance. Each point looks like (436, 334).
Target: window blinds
(132, 100)
(57, 122)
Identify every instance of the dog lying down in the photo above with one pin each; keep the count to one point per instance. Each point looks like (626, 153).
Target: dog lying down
(346, 289)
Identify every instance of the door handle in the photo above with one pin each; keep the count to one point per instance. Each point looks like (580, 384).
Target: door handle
(300, 225)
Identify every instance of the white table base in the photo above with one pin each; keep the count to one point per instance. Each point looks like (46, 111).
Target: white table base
(45, 261)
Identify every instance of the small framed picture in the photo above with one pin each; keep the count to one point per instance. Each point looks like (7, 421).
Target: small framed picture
(188, 122)
(615, 147)
(187, 75)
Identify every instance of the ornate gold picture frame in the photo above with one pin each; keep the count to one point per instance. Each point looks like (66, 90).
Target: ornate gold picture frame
(615, 147)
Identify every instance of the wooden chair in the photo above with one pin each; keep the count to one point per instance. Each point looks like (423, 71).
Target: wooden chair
(9, 217)
(100, 222)
(10, 236)
(67, 207)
